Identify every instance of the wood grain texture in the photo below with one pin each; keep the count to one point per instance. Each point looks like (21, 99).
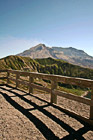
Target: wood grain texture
(72, 97)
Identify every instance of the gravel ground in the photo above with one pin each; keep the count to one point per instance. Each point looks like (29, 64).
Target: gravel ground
(32, 117)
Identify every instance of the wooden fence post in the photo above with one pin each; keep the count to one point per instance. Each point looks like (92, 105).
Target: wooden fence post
(8, 74)
(91, 107)
(53, 97)
(31, 80)
(17, 77)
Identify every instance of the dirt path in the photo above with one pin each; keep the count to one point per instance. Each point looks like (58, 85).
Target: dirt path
(85, 94)
(31, 117)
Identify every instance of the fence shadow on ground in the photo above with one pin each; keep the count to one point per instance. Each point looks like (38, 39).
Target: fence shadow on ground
(47, 133)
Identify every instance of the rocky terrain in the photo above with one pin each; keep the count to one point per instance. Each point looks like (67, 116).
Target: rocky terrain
(70, 54)
(25, 116)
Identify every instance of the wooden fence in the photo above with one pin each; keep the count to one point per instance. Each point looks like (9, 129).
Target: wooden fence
(54, 81)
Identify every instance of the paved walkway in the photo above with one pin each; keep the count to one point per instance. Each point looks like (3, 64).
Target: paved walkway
(32, 117)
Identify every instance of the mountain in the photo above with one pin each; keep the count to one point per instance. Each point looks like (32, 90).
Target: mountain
(45, 65)
(39, 51)
(71, 55)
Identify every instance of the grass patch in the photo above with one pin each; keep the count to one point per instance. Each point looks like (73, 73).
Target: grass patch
(74, 91)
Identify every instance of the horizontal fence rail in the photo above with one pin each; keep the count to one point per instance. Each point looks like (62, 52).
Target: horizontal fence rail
(54, 79)
(3, 70)
(4, 77)
(64, 79)
(73, 97)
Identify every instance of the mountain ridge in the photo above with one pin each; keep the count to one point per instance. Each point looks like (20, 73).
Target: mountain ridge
(70, 54)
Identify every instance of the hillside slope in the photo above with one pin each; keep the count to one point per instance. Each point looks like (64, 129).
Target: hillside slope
(60, 67)
(71, 55)
(47, 65)
(18, 63)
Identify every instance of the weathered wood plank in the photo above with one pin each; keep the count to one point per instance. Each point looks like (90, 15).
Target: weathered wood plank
(17, 78)
(40, 87)
(20, 72)
(8, 77)
(53, 96)
(31, 81)
(72, 97)
(3, 70)
(13, 71)
(91, 106)
(64, 79)
(41, 76)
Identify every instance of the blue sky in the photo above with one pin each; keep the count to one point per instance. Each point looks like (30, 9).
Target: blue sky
(64, 23)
